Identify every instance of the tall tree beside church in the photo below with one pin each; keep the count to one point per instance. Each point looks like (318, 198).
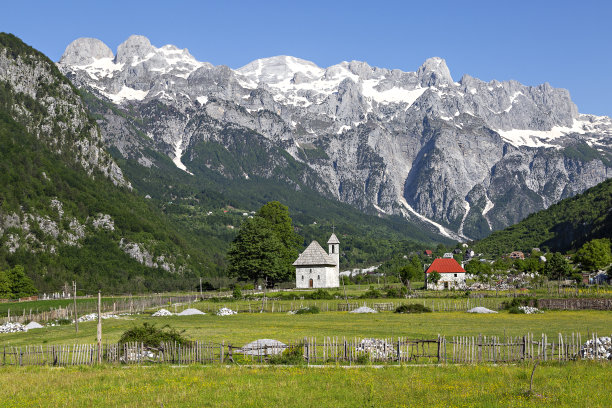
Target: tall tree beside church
(265, 247)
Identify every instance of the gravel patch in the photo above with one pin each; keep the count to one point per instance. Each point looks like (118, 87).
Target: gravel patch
(481, 309)
(191, 312)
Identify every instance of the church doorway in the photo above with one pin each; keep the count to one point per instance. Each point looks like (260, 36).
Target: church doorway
(310, 282)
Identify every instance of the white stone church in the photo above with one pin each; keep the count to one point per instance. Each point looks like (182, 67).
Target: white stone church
(316, 268)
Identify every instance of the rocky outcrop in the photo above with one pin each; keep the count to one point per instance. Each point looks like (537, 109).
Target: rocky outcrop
(467, 157)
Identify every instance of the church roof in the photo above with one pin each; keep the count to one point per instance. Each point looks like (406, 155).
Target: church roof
(333, 239)
(314, 255)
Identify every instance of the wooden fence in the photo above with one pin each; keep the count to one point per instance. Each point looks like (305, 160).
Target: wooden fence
(116, 306)
(336, 350)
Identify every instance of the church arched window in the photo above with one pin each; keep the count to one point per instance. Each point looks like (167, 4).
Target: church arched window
(319, 277)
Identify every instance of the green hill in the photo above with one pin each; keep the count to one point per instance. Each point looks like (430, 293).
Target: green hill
(564, 226)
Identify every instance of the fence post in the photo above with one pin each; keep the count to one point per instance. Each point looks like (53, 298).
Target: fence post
(438, 348)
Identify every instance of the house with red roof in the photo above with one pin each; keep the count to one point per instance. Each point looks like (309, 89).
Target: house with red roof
(452, 275)
(428, 252)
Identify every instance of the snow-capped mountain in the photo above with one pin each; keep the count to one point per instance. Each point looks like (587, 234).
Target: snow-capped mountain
(466, 157)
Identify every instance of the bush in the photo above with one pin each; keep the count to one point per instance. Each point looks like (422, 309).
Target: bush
(237, 293)
(292, 356)
(363, 359)
(396, 292)
(516, 310)
(412, 308)
(320, 294)
(151, 336)
(308, 310)
(372, 293)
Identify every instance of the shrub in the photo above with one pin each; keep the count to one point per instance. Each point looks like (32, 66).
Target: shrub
(412, 308)
(308, 310)
(320, 294)
(292, 356)
(363, 359)
(237, 293)
(372, 294)
(151, 336)
(396, 292)
(516, 310)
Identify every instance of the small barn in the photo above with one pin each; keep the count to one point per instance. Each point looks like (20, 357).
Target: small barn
(452, 275)
(316, 268)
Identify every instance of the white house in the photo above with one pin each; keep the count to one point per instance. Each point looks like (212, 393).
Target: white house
(452, 275)
(316, 268)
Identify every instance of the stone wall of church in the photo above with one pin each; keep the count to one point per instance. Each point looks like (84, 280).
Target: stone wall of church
(322, 277)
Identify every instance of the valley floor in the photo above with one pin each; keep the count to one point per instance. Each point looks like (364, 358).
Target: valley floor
(581, 384)
(245, 327)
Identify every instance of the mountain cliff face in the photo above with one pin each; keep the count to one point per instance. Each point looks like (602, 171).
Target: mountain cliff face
(66, 210)
(465, 157)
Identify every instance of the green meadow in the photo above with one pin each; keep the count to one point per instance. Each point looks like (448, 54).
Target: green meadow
(581, 384)
(245, 327)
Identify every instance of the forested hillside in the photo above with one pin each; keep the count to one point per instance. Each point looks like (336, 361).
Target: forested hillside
(564, 226)
(63, 214)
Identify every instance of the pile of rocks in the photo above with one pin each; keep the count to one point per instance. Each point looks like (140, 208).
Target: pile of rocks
(224, 311)
(263, 347)
(376, 348)
(33, 325)
(94, 316)
(530, 310)
(600, 349)
(162, 312)
(364, 309)
(12, 328)
(191, 312)
(481, 309)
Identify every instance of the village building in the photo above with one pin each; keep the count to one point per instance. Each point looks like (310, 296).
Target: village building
(316, 268)
(517, 255)
(452, 275)
(447, 255)
(428, 252)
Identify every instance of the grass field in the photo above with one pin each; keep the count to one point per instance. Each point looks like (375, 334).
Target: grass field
(583, 384)
(243, 328)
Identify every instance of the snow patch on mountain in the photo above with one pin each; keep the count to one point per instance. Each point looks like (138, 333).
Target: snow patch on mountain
(441, 229)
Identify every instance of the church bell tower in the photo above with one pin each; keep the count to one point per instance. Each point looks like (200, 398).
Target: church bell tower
(334, 250)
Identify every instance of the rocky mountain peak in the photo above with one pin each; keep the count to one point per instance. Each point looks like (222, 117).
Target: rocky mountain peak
(434, 72)
(135, 46)
(83, 51)
(280, 68)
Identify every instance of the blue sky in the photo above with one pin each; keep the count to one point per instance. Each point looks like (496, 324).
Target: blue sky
(568, 44)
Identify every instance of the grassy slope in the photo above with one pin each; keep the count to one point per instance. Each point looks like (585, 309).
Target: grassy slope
(243, 328)
(563, 226)
(467, 386)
